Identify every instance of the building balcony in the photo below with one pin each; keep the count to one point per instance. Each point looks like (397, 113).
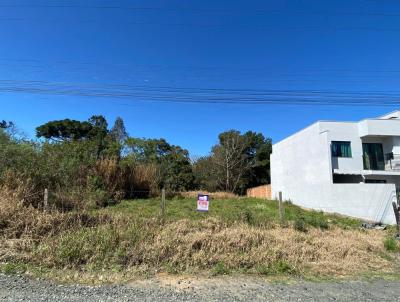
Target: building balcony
(390, 162)
(378, 127)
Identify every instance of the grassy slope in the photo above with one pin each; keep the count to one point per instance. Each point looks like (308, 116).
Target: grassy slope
(248, 210)
(242, 235)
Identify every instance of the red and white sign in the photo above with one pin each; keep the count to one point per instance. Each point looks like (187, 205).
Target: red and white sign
(203, 203)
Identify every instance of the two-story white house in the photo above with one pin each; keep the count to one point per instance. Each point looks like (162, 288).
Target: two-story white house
(350, 168)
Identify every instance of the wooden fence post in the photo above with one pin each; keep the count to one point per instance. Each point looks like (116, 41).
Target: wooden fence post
(46, 200)
(281, 210)
(396, 210)
(163, 203)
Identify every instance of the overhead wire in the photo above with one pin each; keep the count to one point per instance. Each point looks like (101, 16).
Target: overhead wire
(193, 95)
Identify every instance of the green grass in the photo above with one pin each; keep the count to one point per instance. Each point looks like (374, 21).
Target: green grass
(279, 268)
(390, 244)
(252, 211)
(220, 269)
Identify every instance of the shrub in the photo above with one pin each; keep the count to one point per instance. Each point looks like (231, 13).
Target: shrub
(317, 220)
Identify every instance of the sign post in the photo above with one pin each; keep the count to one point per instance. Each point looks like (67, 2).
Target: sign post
(203, 203)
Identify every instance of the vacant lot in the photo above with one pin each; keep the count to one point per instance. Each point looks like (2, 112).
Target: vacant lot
(237, 236)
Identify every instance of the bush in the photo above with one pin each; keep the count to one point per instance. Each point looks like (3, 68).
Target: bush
(390, 244)
(76, 176)
(318, 221)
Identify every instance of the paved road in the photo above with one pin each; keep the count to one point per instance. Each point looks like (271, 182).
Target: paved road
(18, 288)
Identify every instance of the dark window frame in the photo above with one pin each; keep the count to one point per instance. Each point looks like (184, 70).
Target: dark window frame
(337, 152)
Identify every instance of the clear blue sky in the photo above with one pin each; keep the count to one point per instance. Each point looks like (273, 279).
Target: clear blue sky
(260, 45)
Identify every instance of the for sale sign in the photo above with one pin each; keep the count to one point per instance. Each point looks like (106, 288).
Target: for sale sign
(203, 202)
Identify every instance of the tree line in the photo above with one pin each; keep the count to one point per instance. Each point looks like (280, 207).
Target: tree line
(90, 162)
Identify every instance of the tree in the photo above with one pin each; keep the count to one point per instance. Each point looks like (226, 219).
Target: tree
(99, 133)
(118, 131)
(259, 152)
(230, 160)
(175, 171)
(240, 161)
(204, 174)
(6, 125)
(64, 130)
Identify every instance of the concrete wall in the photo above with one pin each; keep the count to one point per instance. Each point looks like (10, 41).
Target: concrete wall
(301, 166)
(263, 192)
(366, 201)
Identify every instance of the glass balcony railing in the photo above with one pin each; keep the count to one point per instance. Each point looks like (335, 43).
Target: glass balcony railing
(390, 162)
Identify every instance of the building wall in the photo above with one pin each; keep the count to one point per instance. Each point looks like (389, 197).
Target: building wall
(337, 131)
(301, 168)
(379, 127)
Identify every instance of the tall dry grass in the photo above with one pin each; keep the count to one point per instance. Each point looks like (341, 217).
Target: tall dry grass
(126, 180)
(187, 245)
(23, 226)
(196, 246)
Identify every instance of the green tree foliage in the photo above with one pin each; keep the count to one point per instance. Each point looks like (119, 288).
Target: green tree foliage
(64, 130)
(85, 161)
(5, 125)
(237, 162)
(118, 131)
(204, 176)
(175, 171)
(258, 152)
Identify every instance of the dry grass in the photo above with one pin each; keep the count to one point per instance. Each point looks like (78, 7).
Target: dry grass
(123, 181)
(207, 245)
(22, 227)
(119, 242)
(336, 251)
(213, 195)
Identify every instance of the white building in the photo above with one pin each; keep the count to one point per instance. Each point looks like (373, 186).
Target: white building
(350, 168)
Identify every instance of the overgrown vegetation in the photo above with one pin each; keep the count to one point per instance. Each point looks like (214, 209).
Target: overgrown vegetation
(237, 235)
(87, 164)
(90, 226)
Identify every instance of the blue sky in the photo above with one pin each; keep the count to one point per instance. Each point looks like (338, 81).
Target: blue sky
(257, 45)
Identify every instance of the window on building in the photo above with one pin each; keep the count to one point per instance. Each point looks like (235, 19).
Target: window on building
(341, 149)
(347, 179)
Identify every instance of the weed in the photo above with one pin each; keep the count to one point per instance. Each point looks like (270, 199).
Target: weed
(277, 268)
(220, 269)
(300, 225)
(248, 217)
(390, 244)
(13, 268)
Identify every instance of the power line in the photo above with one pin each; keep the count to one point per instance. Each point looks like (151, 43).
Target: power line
(206, 96)
(199, 10)
(225, 25)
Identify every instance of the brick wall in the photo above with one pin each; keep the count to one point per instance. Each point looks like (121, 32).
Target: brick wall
(260, 192)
